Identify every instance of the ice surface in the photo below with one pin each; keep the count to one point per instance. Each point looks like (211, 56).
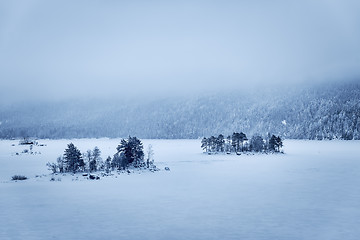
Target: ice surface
(311, 192)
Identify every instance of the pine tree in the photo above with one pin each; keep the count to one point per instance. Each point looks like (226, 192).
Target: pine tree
(275, 143)
(204, 144)
(235, 141)
(132, 149)
(242, 138)
(279, 143)
(220, 143)
(257, 143)
(116, 161)
(272, 143)
(212, 144)
(228, 144)
(73, 159)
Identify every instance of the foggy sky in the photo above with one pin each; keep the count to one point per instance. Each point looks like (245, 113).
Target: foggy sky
(64, 49)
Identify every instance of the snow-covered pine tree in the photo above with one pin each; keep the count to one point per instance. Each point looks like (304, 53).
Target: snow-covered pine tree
(279, 143)
(220, 143)
(242, 139)
(212, 143)
(73, 159)
(275, 143)
(228, 144)
(256, 143)
(204, 144)
(116, 161)
(132, 149)
(272, 143)
(235, 141)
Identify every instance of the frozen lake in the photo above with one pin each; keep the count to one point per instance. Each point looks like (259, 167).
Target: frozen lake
(310, 192)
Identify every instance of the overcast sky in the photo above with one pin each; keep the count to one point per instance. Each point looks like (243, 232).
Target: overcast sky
(62, 49)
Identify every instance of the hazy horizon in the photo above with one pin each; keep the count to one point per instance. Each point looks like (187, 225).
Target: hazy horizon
(60, 50)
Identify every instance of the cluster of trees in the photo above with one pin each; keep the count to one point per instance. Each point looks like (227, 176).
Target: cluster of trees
(94, 160)
(71, 161)
(130, 151)
(129, 154)
(238, 142)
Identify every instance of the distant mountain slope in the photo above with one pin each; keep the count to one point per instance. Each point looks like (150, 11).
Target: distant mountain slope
(318, 112)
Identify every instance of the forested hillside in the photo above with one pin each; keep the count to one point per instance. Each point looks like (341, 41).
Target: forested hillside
(291, 112)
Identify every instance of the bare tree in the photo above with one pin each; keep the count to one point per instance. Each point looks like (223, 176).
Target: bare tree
(149, 156)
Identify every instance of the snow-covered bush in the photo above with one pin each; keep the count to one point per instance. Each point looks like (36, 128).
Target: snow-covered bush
(18, 177)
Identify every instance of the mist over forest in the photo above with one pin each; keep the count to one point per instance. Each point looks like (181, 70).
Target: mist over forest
(179, 119)
(183, 69)
(322, 111)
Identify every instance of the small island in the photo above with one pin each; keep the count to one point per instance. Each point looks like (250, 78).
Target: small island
(239, 143)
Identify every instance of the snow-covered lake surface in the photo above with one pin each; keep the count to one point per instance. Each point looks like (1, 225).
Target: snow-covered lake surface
(310, 192)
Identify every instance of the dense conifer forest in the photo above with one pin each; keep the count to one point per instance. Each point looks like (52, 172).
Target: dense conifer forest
(329, 111)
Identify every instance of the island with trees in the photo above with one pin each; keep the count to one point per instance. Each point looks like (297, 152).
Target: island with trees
(129, 155)
(239, 143)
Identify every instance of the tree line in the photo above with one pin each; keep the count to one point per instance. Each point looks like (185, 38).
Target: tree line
(330, 111)
(129, 153)
(238, 142)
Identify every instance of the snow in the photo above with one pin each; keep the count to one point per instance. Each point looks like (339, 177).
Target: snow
(311, 192)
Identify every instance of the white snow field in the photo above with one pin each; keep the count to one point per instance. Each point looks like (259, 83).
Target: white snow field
(310, 192)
